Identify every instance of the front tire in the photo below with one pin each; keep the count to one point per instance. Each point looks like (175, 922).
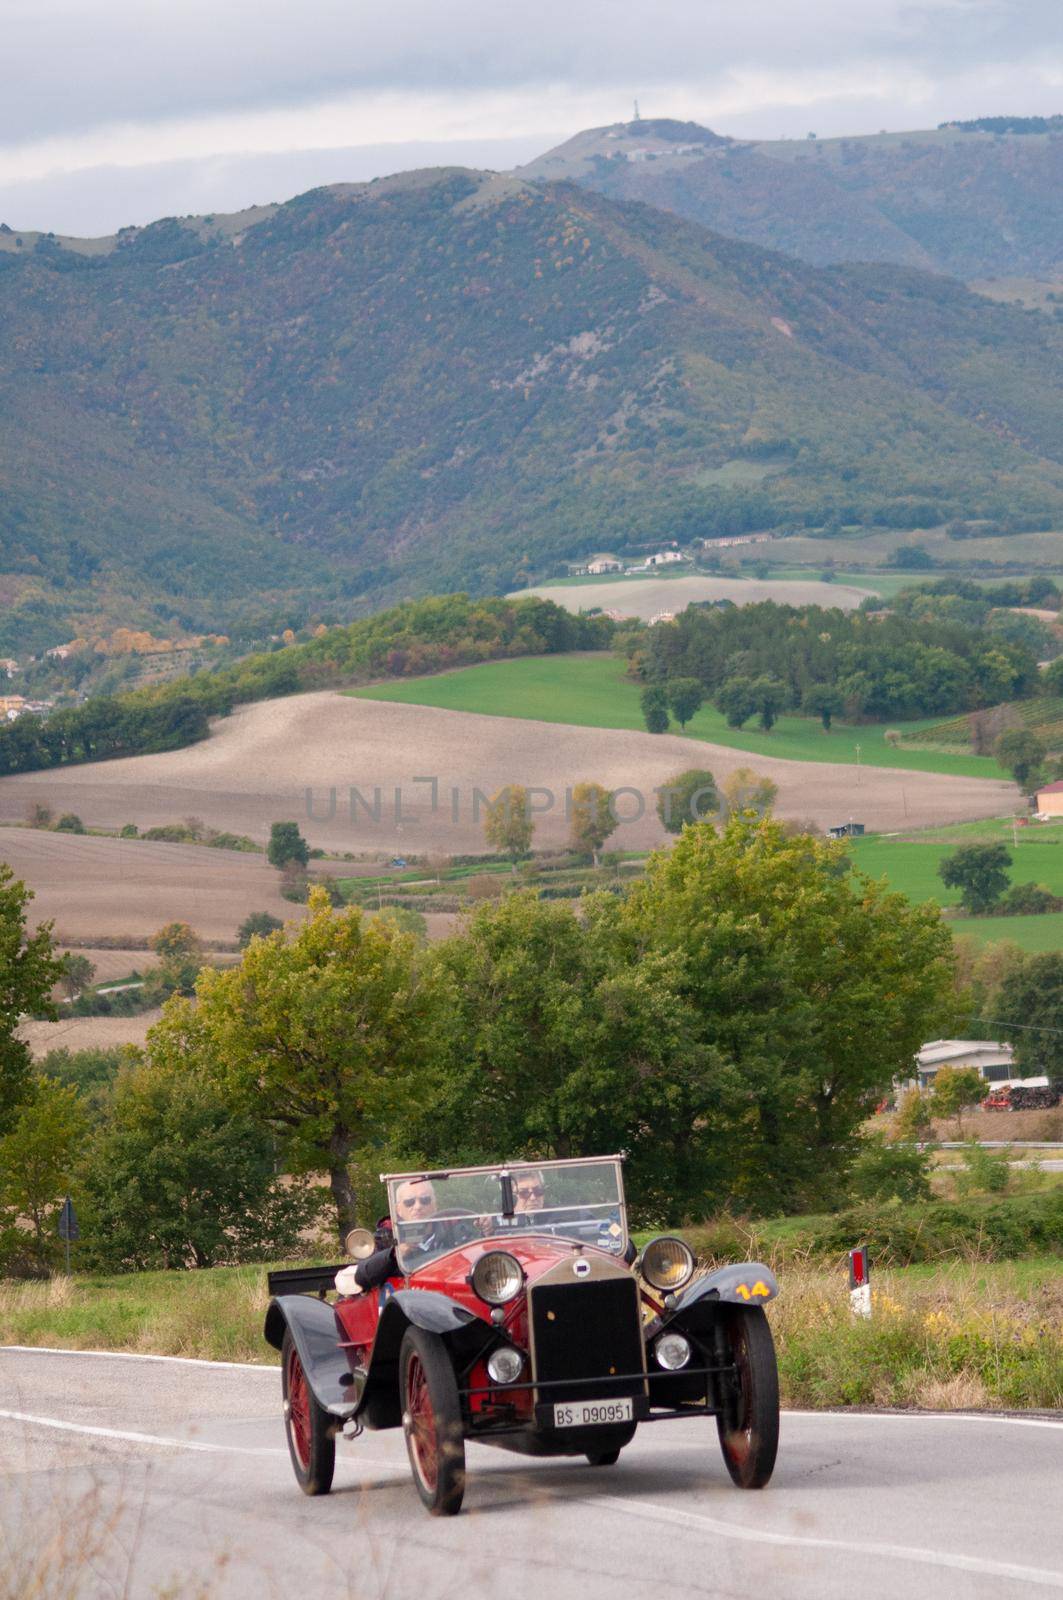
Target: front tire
(748, 1420)
(311, 1440)
(603, 1458)
(431, 1421)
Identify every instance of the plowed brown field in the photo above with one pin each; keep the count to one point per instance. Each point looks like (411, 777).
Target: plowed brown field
(259, 764)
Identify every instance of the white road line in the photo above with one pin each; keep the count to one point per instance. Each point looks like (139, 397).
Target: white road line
(141, 1438)
(136, 1355)
(929, 1416)
(731, 1530)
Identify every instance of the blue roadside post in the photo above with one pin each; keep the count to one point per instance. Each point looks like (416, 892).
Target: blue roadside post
(68, 1228)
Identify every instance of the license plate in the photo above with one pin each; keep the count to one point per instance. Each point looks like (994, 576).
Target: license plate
(592, 1413)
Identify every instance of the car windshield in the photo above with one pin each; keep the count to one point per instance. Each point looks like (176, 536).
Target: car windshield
(432, 1212)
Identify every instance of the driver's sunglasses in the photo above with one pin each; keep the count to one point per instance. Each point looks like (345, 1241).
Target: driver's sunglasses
(530, 1191)
(416, 1200)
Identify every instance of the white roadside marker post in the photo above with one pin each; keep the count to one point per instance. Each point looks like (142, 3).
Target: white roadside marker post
(859, 1282)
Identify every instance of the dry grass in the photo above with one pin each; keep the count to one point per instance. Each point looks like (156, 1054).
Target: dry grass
(946, 1337)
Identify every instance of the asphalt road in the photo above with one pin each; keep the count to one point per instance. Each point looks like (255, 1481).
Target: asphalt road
(139, 1477)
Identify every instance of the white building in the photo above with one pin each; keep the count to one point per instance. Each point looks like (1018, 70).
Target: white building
(990, 1057)
(604, 564)
(664, 558)
(662, 616)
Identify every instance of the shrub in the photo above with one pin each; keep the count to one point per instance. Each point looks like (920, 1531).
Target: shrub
(1029, 900)
(260, 924)
(70, 822)
(287, 846)
(883, 1171)
(129, 830)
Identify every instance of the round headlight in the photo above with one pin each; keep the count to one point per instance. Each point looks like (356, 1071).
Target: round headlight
(359, 1244)
(505, 1365)
(667, 1263)
(497, 1277)
(672, 1351)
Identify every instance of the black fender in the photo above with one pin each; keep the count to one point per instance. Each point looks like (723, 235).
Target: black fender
(744, 1283)
(378, 1394)
(316, 1334)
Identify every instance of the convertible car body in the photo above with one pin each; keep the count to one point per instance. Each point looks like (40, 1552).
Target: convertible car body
(514, 1312)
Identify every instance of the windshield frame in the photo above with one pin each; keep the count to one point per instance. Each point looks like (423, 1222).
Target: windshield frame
(511, 1169)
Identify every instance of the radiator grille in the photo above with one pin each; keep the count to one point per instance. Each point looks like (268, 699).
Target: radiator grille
(587, 1331)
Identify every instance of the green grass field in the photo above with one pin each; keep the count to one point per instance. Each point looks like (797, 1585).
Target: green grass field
(591, 691)
(911, 866)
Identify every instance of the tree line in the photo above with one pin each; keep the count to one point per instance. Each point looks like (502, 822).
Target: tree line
(417, 637)
(931, 652)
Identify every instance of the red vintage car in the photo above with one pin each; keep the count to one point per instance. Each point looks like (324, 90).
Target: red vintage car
(506, 1304)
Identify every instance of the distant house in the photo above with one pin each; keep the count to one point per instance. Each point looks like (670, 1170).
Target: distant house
(846, 830)
(12, 706)
(604, 564)
(1050, 800)
(990, 1057)
(613, 614)
(664, 558)
(9, 666)
(58, 652)
(662, 616)
(737, 538)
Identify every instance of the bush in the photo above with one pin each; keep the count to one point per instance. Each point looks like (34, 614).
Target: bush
(884, 1171)
(287, 846)
(70, 822)
(259, 924)
(129, 830)
(1029, 900)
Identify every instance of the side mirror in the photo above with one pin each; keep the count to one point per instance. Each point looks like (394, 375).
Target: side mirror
(359, 1244)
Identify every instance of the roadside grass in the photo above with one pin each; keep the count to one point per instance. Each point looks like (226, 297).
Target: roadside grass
(947, 1335)
(591, 690)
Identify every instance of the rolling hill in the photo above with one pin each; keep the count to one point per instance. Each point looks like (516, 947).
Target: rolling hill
(454, 379)
(967, 201)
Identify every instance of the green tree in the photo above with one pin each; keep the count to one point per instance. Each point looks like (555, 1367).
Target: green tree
(685, 699)
(913, 1118)
(78, 973)
(259, 924)
(180, 952)
(813, 988)
(326, 1038)
(1030, 1001)
(37, 1158)
(884, 1170)
(737, 701)
(286, 845)
(822, 700)
(29, 968)
(1021, 753)
(179, 1176)
(688, 797)
(770, 696)
(91, 1072)
(980, 872)
(955, 1090)
(655, 709)
(593, 818)
(564, 1044)
(746, 790)
(508, 826)
(70, 822)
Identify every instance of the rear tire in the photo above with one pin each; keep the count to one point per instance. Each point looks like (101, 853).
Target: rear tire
(431, 1421)
(309, 1428)
(603, 1458)
(748, 1421)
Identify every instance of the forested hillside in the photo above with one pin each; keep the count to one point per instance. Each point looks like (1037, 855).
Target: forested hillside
(975, 200)
(452, 380)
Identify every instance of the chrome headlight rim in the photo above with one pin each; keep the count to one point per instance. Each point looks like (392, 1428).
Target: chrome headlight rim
(498, 1293)
(500, 1355)
(669, 1341)
(667, 1263)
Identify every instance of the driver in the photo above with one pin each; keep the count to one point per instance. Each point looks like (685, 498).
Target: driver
(416, 1206)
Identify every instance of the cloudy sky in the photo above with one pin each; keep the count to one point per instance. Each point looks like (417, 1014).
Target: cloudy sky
(119, 111)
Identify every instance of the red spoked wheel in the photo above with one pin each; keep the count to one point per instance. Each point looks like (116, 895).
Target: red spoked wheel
(431, 1420)
(748, 1420)
(311, 1440)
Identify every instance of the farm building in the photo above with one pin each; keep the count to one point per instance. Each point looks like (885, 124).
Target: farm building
(990, 1057)
(1050, 800)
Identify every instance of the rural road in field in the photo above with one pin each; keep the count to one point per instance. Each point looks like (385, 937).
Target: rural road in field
(159, 1476)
